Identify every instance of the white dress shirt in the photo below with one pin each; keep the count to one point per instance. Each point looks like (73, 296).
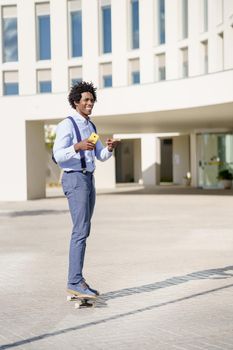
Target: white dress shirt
(64, 153)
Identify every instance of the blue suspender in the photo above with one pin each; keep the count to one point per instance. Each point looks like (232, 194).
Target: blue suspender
(82, 154)
(78, 135)
(94, 127)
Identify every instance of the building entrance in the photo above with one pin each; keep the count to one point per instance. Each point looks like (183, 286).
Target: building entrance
(125, 161)
(214, 153)
(166, 170)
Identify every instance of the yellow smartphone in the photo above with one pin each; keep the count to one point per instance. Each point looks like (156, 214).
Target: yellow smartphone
(93, 137)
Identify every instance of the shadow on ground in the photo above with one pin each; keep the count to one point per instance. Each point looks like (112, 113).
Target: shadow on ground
(132, 189)
(168, 190)
(219, 273)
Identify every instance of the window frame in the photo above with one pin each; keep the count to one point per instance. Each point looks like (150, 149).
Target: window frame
(41, 44)
(161, 23)
(106, 40)
(10, 79)
(9, 13)
(134, 25)
(78, 35)
(184, 52)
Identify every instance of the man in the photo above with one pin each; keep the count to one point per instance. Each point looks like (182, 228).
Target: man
(77, 179)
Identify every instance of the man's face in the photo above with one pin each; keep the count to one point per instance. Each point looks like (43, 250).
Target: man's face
(85, 105)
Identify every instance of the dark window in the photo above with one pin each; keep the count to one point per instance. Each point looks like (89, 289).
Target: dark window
(107, 81)
(45, 86)
(10, 40)
(44, 37)
(76, 34)
(161, 21)
(107, 31)
(135, 77)
(135, 23)
(11, 89)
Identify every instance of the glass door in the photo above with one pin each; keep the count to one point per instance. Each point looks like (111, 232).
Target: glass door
(214, 152)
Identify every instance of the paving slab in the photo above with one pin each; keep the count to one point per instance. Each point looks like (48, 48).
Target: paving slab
(162, 260)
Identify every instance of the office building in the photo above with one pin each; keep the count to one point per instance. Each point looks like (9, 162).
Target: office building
(164, 73)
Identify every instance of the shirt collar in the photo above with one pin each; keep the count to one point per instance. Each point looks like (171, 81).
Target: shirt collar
(81, 119)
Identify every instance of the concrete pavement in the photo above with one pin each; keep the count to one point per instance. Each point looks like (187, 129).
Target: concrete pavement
(161, 258)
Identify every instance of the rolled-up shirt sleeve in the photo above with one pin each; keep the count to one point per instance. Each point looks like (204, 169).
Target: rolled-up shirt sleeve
(63, 148)
(102, 153)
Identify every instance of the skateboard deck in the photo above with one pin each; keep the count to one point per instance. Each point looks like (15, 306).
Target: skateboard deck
(81, 302)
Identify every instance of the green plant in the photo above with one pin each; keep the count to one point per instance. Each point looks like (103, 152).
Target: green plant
(225, 174)
(49, 136)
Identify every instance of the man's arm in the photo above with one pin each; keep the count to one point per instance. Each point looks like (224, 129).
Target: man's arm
(63, 148)
(104, 153)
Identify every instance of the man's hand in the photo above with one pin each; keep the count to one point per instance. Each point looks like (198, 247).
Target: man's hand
(112, 143)
(84, 145)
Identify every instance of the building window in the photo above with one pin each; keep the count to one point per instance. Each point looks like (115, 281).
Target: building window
(220, 50)
(135, 24)
(43, 32)
(205, 15)
(106, 75)
(45, 86)
(9, 34)
(107, 81)
(185, 63)
(44, 81)
(106, 27)
(10, 83)
(205, 59)
(184, 19)
(161, 21)
(134, 70)
(161, 67)
(75, 28)
(75, 75)
(135, 78)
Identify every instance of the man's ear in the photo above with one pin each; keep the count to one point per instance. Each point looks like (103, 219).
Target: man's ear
(76, 103)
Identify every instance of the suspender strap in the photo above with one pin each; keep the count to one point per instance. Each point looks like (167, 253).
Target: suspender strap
(94, 127)
(78, 135)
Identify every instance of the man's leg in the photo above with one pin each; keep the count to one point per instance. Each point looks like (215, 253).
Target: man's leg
(92, 196)
(77, 189)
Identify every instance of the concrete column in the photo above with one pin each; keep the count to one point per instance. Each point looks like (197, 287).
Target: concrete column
(36, 159)
(146, 32)
(215, 25)
(27, 47)
(119, 43)
(193, 159)
(90, 40)
(150, 155)
(59, 35)
(194, 43)
(137, 161)
(228, 34)
(172, 35)
(13, 186)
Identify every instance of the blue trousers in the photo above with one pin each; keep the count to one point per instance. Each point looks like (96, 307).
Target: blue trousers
(79, 189)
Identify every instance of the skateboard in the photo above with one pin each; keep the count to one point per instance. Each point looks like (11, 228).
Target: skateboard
(82, 302)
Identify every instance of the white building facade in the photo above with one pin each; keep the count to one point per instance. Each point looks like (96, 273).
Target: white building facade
(164, 73)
